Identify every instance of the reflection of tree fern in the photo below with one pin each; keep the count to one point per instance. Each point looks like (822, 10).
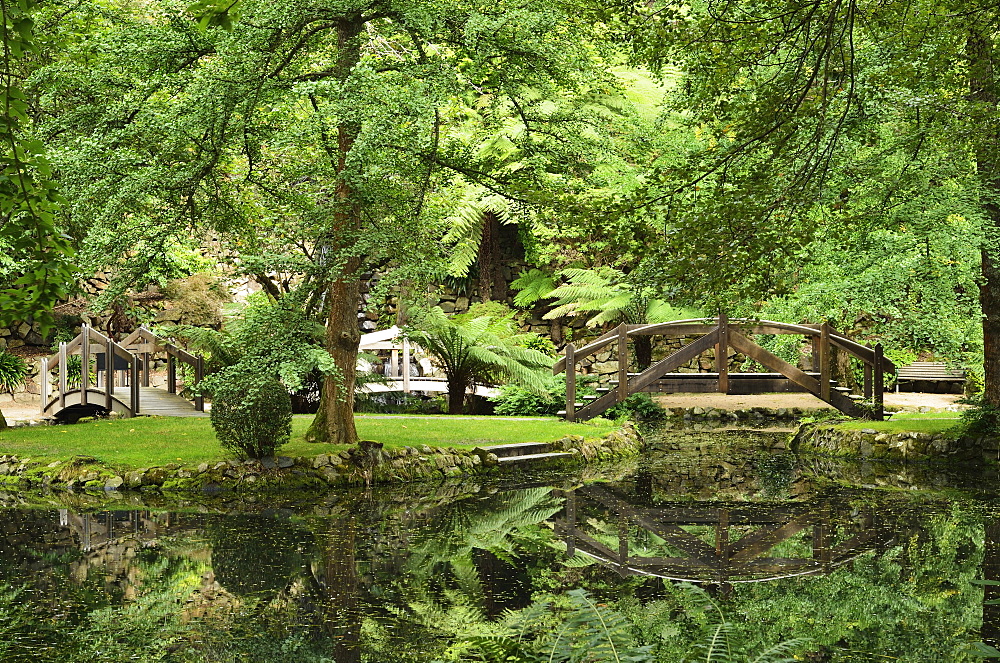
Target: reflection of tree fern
(717, 647)
(595, 632)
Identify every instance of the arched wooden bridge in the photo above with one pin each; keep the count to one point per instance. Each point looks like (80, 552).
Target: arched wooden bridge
(120, 385)
(721, 334)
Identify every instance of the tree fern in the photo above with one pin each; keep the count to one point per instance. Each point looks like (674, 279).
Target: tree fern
(484, 349)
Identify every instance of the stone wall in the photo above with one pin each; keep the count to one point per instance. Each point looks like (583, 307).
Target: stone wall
(348, 467)
(870, 443)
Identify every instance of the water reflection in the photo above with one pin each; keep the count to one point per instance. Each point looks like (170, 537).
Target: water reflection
(410, 576)
(724, 542)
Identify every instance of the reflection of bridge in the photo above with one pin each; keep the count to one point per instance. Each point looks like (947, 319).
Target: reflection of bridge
(720, 334)
(719, 543)
(120, 384)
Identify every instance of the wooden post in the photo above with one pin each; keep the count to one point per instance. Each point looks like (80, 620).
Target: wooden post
(570, 382)
(199, 373)
(44, 379)
(62, 375)
(622, 362)
(623, 528)
(722, 354)
(824, 362)
(570, 522)
(393, 363)
(867, 393)
(878, 385)
(145, 369)
(171, 373)
(406, 365)
(134, 386)
(722, 535)
(109, 373)
(84, 363)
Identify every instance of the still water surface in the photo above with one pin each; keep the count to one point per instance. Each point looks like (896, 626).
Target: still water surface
(838, 561)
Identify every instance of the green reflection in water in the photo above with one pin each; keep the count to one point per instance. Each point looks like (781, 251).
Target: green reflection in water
(482, 574)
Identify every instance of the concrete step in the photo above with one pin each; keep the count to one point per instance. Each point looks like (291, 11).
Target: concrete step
(511, 450)
(530, 458)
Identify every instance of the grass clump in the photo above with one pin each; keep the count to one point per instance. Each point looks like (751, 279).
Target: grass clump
(929, 422)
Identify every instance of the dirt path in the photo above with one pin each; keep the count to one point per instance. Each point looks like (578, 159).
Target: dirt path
(905, 400)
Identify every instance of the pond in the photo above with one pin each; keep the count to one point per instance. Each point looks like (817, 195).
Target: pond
(710, 548)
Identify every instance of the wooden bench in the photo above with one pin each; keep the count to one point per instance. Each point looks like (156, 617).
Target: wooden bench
(930, 371)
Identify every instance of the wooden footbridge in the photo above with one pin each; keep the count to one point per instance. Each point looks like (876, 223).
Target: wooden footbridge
(120, 384)
(721, 334)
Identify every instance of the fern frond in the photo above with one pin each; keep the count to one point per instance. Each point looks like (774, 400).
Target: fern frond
(783, 652)
(532, 286)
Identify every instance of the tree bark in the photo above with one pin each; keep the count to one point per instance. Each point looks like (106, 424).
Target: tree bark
(334, 422)
(456, 394)
(492, 286)
(643, 352)
(983, 90)
(3, 421)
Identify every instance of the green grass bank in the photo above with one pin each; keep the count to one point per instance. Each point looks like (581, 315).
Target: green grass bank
(172, 454)
(126, 444)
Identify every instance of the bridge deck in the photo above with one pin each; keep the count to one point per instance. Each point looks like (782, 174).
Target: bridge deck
(158, 402)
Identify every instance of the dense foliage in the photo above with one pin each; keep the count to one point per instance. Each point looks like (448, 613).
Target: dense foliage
(251, 414)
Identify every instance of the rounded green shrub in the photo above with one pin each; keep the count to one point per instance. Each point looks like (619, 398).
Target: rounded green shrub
(251, 415)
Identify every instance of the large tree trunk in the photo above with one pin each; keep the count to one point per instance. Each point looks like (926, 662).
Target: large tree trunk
(492, 286)
(643, 352)
(983, 89)
(3, 421)
(456, 394)
(334, 422)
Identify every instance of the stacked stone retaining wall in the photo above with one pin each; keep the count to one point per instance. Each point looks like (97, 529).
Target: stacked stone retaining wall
(348, 467)
(870, 443)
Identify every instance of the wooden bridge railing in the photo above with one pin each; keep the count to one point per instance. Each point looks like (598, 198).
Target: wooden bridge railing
(135, 353)
(721, 334)
(145, 343)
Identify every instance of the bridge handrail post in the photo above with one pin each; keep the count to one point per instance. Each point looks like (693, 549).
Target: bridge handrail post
(824, 362)
(109, 371)
(134, 386)
(570, 382)
(171, 373)
(406, 365)
(63, 386)
(43, 378)
(867, 388)
(84, 363)
(722, 354)
(199, 373)
(622, 362)
(878, 391)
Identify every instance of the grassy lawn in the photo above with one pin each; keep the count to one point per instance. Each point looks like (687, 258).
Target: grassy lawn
(922, 422)
(152, 441)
